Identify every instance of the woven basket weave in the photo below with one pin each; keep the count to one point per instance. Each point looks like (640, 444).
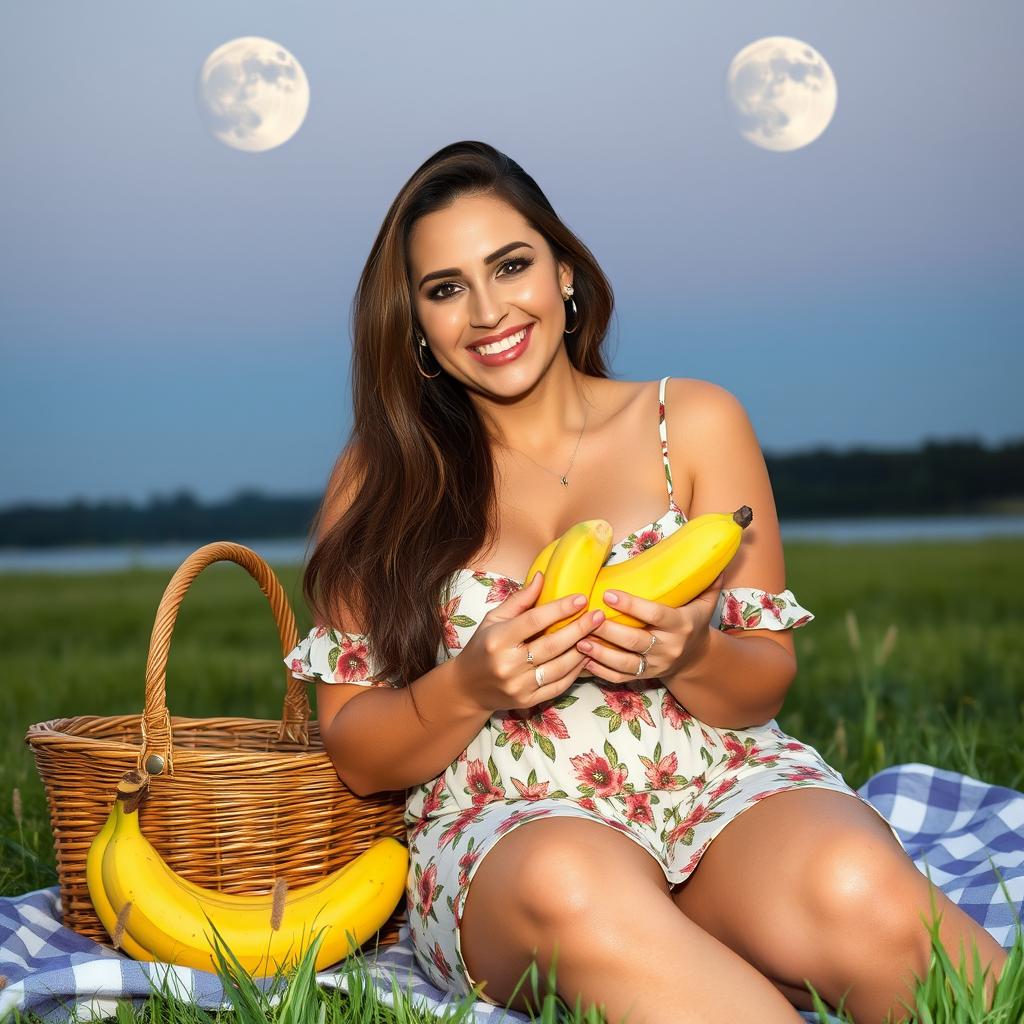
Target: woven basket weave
(233, 803)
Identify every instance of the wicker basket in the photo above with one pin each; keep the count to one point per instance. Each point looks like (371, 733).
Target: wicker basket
(233, 803)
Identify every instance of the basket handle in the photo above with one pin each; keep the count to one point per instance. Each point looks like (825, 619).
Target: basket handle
(155, 753)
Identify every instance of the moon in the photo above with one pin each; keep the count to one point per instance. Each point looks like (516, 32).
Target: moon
(252, 93)
(782, 91)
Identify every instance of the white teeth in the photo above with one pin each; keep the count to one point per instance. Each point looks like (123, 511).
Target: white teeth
(504, 345)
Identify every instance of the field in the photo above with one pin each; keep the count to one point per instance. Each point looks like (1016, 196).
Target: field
(916, 654)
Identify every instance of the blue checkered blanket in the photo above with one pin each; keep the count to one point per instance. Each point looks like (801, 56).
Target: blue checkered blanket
(959, 827)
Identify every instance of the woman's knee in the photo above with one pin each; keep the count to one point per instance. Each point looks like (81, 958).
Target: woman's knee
(561, 872)
(856, 880)
(552, 872)
(527, 890)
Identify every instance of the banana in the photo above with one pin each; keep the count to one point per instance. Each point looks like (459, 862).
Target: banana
(575, 562)
(167, 917)
(540, 563)
(94, 881)
(678, 567)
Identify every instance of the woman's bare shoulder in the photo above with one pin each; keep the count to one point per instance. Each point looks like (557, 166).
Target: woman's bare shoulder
(693, 400)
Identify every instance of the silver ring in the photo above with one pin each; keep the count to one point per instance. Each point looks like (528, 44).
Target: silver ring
(643, 666)
(529, 655)
(538, 675)
(654, 640)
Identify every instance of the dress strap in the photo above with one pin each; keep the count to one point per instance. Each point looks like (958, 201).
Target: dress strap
(664, 435)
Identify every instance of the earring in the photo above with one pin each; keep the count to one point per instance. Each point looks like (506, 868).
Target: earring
(423, 345)
(567, 292)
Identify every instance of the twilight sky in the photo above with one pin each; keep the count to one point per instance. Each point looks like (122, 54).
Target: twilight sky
(174, 312)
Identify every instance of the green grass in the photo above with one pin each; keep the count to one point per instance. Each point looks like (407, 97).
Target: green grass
(914, 655)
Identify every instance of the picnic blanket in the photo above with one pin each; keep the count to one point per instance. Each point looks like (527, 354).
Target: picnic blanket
(958, 826)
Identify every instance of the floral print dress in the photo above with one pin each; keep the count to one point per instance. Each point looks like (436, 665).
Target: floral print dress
(628, 755)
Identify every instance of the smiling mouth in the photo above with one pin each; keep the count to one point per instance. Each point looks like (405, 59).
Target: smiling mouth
(503, 344)
(500, 337)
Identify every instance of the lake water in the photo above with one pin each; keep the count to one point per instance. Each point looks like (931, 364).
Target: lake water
(116, 558)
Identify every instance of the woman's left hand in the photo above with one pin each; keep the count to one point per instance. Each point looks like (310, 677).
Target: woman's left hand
(682, 636)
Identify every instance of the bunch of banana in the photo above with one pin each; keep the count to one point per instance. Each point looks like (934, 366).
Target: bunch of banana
(571, 562)
(152, 913)
(673, 571)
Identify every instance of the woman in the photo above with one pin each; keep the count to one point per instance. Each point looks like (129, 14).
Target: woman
(563, 790)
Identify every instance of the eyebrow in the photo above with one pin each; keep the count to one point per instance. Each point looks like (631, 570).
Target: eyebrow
(454, 271)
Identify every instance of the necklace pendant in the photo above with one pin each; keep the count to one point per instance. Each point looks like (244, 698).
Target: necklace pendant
(565, 483)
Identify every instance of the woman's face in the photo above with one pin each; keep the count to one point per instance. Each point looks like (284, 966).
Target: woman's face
(474, 298)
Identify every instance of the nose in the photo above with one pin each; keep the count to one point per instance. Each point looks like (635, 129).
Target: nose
(484, 309)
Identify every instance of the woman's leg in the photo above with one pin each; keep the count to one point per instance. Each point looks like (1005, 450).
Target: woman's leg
(596, 901)
(810, 883)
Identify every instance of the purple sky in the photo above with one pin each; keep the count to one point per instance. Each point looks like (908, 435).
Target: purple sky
(174, 313)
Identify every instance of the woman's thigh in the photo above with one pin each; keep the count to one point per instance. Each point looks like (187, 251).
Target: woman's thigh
(539, 877)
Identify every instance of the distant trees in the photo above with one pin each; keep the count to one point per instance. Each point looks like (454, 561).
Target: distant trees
(938, 478)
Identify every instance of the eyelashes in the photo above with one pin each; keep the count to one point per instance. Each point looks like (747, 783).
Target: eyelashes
(526, 261)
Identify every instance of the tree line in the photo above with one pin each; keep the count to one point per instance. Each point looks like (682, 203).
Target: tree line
(937, 478)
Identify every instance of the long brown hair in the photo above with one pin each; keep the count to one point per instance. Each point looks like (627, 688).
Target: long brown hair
(417, 463)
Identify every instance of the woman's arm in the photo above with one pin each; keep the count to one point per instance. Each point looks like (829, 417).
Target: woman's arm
(379, 743)
(743, 675)
(739, 681)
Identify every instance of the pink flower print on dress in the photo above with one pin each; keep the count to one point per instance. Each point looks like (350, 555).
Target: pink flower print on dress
(466, 862)
(542, 722)
(352, 656)
(746, 753)
(679, 718)
(532, 790)
(623, 704)
(664, 772)
(695, 859)
(674, 713)
(727, 784)
(597, 775)
(792, 744)
(455, 829)
(519, 816)
(802, 772)
(732, 614)
(426, 891)
(618, 825)
(638, 542)
(770, 604)
(498, 587)
(698, 783)
(439, 961)
(683, 832)
(638, 809)
(450, 620)
(481, 785)
(433, 801)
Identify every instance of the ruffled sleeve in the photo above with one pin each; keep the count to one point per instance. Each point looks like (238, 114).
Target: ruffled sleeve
(331, 656)
(750, 608)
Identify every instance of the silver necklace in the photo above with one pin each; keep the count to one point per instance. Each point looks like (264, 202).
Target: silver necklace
(563, 477)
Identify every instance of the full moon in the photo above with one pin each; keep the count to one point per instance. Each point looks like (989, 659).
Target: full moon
(782, 91)
(252, 93)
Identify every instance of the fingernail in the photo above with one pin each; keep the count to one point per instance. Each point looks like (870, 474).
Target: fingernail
(598, 616)
(611, 597)
(579, 599)
(584, 645)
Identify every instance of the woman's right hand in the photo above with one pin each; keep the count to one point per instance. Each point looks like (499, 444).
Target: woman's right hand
(492, 666)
